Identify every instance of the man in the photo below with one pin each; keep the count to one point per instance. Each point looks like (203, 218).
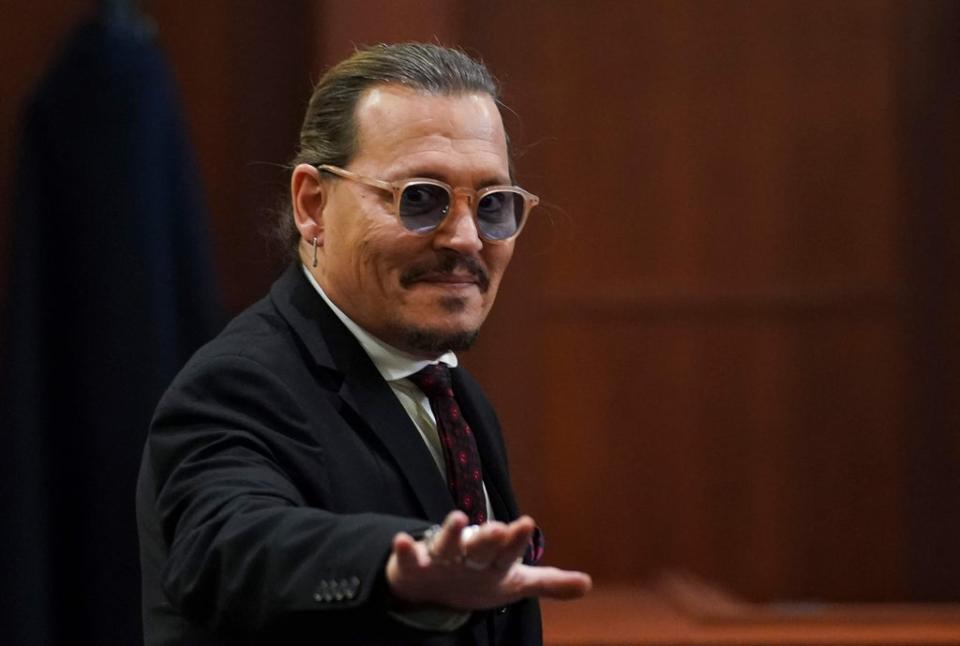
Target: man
(317, 474)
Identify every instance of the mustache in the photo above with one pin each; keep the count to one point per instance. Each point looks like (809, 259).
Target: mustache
(447, 264)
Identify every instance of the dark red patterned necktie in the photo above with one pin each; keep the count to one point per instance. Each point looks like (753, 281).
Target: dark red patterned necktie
(464, 477)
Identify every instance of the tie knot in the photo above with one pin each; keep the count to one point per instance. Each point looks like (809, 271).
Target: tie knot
(434, 380)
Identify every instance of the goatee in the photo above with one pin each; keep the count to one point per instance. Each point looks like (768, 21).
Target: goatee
(434, 343)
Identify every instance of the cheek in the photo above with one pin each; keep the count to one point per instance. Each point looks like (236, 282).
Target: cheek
(497, 260)
(380, 255)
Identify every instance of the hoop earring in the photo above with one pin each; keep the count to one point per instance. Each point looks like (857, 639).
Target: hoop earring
(314, 251)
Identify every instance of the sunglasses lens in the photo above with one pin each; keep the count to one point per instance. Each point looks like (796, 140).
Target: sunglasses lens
(423, 207)
(499, 214)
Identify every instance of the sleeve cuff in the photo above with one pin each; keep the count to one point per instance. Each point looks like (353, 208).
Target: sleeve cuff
(427, 617)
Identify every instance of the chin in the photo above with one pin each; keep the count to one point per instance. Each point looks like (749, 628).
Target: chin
(443, 324)
(432, 341)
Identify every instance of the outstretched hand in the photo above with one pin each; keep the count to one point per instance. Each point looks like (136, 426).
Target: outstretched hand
(475, 567)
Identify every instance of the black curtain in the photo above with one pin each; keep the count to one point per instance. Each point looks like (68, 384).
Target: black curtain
(111, 289)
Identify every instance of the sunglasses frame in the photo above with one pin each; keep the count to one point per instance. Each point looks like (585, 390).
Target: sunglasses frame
(473, 197)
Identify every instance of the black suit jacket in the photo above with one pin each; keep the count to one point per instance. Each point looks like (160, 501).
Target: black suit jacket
(278, 468)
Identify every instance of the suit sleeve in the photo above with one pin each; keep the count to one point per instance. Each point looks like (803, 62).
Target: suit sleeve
(231, 450)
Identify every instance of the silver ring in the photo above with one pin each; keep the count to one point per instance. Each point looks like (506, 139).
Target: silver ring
(429, 537)
(468, 532)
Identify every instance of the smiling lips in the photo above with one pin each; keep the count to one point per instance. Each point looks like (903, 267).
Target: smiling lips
(453, 269)
(452, 279)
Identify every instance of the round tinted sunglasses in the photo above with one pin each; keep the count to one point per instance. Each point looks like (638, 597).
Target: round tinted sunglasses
(423, 204)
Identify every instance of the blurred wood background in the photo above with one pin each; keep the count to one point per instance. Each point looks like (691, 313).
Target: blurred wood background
(727, 344)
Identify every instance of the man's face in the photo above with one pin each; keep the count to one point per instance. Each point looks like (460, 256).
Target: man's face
(422, 294)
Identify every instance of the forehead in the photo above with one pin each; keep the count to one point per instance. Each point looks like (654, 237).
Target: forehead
(400, 130)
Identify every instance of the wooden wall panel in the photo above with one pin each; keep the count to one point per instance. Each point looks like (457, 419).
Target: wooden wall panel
(723, 234)
(735, 448)
(340, 26)
(666, 162)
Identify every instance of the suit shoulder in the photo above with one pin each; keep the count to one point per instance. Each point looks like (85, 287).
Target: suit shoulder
(258, 334)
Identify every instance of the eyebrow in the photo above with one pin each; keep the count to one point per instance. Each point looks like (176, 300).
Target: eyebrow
(492, 180)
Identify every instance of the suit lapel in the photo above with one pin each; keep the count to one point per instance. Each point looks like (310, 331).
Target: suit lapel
(370, 396)
(335, 350)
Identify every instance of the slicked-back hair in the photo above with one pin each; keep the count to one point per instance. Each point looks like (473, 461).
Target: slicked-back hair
(329, 131)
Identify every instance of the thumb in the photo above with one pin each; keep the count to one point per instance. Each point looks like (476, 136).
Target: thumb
(553, 583)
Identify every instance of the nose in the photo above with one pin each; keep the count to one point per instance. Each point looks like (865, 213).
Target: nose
(459, 230)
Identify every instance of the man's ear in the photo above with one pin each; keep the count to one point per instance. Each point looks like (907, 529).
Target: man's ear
(308, 196)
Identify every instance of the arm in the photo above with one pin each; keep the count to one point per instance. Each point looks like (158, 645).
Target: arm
(243, 507)
(249, 520)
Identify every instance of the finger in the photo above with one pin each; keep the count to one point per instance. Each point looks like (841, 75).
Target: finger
(407, 558)
(481, 548)
(519, 534)
(554, 583)
(445, 546)
(477, 536)
(405, 549)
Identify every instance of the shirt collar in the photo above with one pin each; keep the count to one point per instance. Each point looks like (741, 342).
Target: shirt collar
(391, 363)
